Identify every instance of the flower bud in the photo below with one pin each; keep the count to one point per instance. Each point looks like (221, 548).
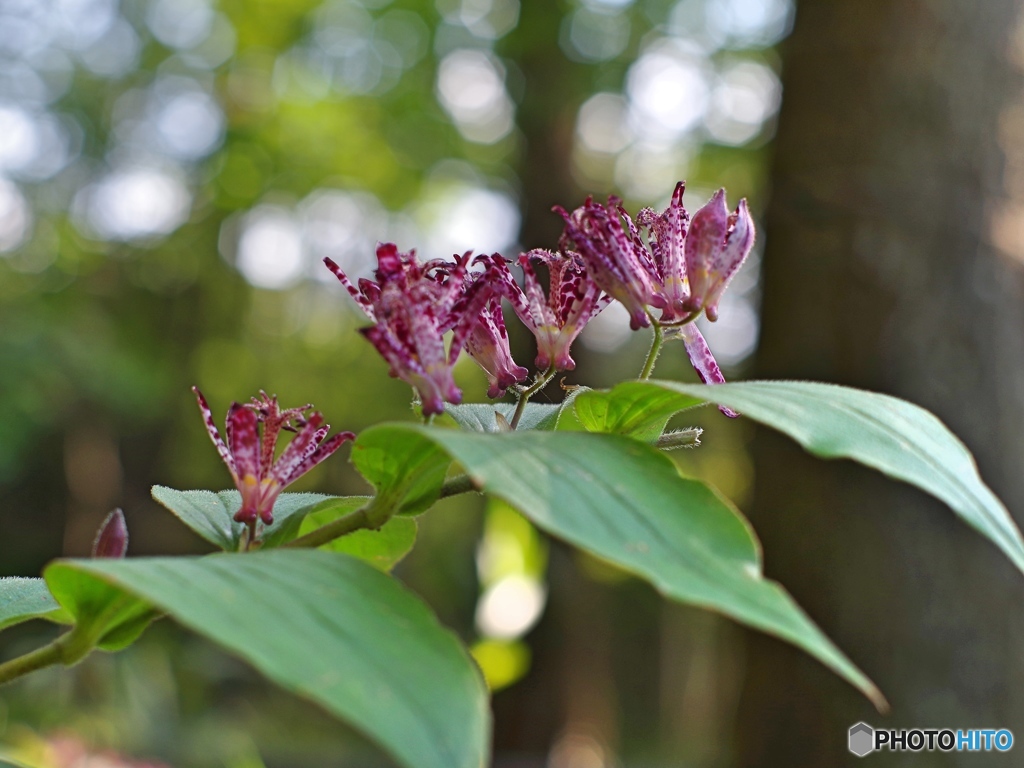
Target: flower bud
(716, 246)
(112, 537)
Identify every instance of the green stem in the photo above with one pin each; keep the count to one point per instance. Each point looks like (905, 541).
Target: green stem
(333, 530)
(652, 356)
(360, 519)
(46, 656)
(68, 649)
(457, 485)
(526, 394)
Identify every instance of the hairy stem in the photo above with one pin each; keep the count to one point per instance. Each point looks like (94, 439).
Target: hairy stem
(652, 356)
(683, 438)
(526, 394)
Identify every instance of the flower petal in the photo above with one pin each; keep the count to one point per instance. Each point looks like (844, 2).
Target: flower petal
(361, 300)
(738, 243)
(667, 237)
(244, 441)
(297, 450)
(320, 453)
(703, 361)
(618, 262)
(488, 345)
(703, 246)
(211, 428)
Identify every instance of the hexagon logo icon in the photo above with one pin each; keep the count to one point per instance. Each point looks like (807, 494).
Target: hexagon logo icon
(862, 739)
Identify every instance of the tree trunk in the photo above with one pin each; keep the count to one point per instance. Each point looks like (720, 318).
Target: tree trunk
(894, 263)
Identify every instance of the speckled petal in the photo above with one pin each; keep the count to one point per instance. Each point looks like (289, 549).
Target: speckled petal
(703, 361)
(211, 428)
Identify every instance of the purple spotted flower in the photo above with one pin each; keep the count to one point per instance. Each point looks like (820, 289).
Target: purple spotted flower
(667, 239)
(695, 261)
(717, 244)
(557, 318)
(412, 305)
(487, 339)
(249, 452)
(615, 256)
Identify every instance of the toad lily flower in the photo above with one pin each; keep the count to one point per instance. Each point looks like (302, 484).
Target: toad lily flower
(555, 320)
(250, 455)
(616, 259)
(412, 305)
(667, 237)
(487, 339)
(695, 266)
(716, 246)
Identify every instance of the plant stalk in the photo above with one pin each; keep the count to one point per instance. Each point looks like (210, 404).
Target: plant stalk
(683, 438)
(68, 649)
(652, 356)
(360, 519)
(335, 529)
(455, 486)
(526, 394)
(47, 656)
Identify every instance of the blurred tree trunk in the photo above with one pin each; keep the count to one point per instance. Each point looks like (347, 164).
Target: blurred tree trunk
(894, 262)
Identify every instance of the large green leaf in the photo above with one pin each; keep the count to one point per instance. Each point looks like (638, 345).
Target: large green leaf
(899, 439)
(211, 515)
(382, 548)
(326, 626)
(632, 408)
(406, 471)
(480, 417)
(22, 599)
(626, 502)
(104, 616)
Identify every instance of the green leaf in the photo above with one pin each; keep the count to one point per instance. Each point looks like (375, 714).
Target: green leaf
(104, 617)
(899, 439)
(479, 417)
(211, 515)
(626, 502)
(327, 627)
(381, 548)
(633, 408)
(405, 469)
(22, 599)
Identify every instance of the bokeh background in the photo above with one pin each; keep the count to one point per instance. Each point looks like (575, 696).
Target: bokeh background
(172, 172)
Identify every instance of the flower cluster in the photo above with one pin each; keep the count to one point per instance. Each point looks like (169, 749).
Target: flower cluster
(662, 261)
(252, 431)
